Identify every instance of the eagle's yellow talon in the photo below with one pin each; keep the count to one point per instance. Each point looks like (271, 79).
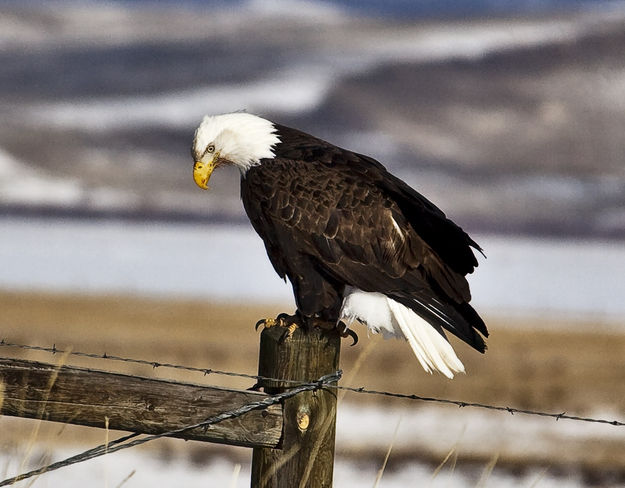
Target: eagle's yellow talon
(287, 322)
(291, 330)
(266, 323)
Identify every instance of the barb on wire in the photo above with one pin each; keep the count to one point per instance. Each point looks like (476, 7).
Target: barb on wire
(362, 390)
(145, 362)
(460, 404)
(126, 442)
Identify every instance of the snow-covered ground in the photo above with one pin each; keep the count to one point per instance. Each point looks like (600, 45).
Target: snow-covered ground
(526, 276)
(145, 470)
(409, 429)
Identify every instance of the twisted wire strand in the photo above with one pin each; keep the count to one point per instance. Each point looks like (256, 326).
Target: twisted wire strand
(206, 371)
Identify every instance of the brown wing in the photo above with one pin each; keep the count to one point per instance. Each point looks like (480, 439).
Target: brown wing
(331, 224)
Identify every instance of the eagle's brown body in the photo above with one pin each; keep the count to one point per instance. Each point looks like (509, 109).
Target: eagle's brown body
(332, 219)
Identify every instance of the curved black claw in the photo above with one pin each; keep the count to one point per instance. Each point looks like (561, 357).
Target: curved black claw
(286, 333)
(345, 331)
(353, 335)
(286, 318)
(259, 323)
(284, 321)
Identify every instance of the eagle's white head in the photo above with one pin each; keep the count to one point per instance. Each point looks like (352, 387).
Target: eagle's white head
(239, 139)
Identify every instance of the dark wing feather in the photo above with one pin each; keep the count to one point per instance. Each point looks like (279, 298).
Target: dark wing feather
(451, 243)
(446, 238)
(333, 218)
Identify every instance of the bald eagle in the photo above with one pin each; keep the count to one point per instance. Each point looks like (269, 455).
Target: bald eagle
(356, 242)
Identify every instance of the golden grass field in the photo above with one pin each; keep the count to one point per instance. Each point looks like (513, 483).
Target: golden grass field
(542, 368)
(548, 366)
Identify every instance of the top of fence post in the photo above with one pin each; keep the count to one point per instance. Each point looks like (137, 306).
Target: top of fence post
(305, 456)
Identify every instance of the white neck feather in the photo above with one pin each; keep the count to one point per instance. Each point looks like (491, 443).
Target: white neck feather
(241, 138)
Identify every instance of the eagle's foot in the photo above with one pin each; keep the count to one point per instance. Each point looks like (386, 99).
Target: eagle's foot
(319, 323)
(266, 323)
(340, 326)
(292, 322)
(289, 322)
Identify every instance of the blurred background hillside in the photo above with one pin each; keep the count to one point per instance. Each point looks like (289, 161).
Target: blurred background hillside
(510, 116)
(512, 124)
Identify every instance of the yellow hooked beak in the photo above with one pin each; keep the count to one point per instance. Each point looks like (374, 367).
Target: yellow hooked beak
(202, 173)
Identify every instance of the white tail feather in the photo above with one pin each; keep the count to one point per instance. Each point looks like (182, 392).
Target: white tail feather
(382, 314)
(431, 349)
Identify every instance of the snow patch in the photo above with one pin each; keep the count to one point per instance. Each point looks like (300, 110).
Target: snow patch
(21, 183)
(481, 432)
(288, 92)
(310, 11)
(550, 277)
(361, 430)
(305, 79)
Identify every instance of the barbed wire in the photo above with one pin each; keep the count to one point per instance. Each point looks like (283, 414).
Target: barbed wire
(126, 442)
(145, 362)
(461, 404)
(405, 396)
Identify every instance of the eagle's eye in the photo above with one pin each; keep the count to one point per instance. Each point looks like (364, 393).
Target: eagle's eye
(210, 149)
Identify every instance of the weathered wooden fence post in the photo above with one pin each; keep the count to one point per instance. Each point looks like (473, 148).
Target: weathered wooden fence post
(305, 457)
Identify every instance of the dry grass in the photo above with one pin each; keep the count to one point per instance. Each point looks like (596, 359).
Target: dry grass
(524, 367)
(551, 368)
